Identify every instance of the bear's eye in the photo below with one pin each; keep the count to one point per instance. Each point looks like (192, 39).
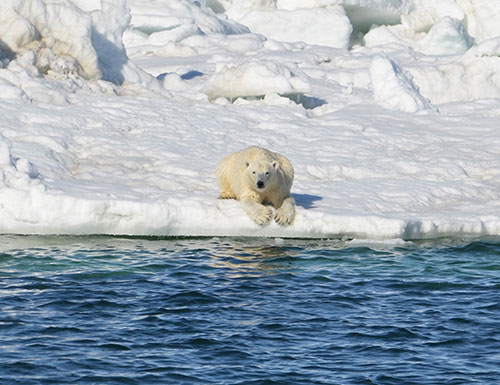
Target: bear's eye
(267, 173)
(253, 172)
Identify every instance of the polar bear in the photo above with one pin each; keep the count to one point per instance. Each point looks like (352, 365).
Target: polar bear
(258, 177)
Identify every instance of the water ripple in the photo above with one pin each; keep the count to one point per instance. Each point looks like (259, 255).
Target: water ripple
(239, 311)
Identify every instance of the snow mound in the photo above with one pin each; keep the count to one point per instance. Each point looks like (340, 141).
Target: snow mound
(17, 173)
(62, 27)
(61, 38)
(479, 16)
(10, 87)
(447, 37)
(253, 79)
(393, 88)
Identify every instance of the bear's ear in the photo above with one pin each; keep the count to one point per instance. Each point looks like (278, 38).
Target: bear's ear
(276, 164)
(247, 164)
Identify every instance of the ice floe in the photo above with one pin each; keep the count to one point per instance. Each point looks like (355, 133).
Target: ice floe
(115, 113)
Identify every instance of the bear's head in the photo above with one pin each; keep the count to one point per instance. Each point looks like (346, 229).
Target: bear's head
(261, 174)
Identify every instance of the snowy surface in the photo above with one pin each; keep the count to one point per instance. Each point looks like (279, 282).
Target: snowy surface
(115, 114)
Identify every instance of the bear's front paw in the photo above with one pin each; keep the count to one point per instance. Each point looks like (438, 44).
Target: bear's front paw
(284, 217)
(226, 195)
(264, 216)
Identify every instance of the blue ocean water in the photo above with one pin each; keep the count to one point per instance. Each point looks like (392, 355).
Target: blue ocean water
(103, 310)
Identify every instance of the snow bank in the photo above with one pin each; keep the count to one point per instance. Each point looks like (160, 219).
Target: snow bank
(253, 79)
(302, 25)
(409, 20)
(150, 16)
(157, 26)
(145, 166)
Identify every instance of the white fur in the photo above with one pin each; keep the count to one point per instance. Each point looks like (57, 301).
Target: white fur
(258, 177)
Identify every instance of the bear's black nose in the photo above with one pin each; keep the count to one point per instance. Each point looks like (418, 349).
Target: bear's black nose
(260, 184)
